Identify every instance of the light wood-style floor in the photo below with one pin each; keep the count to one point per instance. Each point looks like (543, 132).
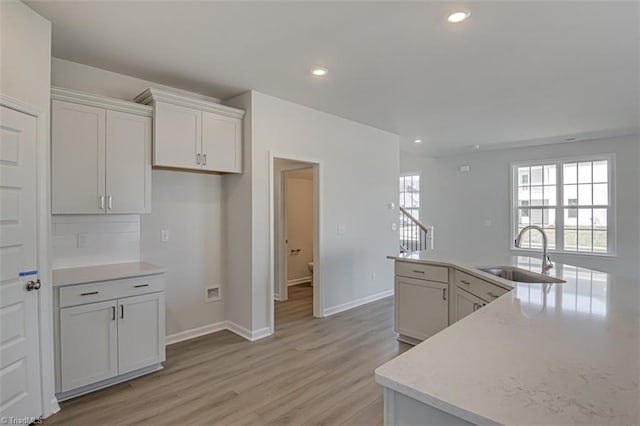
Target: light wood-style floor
(311, 371)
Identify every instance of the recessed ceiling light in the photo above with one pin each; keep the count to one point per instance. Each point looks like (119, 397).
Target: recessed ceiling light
(417, 141)
(476, 147)
(457, 17)
(319, 72)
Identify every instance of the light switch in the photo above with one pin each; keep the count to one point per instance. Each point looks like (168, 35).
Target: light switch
(341, 229)
(392, 206)
(394, 226)
(164, 235)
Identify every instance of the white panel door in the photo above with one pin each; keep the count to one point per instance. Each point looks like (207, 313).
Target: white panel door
(466, 303)
(88, 344)
(221, 143)
(20, 395)
(177, 136)
(77, 139)
(421, 307)
(128, 164)
(141, 333)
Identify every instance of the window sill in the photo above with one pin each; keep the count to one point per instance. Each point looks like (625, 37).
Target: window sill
(609, 256)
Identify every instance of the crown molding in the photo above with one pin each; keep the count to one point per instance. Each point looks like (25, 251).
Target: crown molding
(78, 97)
(153, 95)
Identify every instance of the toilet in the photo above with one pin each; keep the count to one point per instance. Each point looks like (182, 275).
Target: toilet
(310, 267)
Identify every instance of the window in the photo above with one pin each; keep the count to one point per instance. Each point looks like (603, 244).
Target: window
(410, 200)
(570, 200)
(410, 194)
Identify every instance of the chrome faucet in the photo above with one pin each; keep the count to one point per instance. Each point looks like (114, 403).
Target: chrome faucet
(546, 262)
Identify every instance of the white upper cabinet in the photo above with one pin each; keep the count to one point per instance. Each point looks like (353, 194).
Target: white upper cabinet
(128, 163)
(100, 155)
(221, 143)
(177, 139)
(194, 134)
(77, 158)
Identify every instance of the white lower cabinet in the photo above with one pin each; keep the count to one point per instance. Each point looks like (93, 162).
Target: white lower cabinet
(88, 343)
(421, 307)
(466, 303)
(108, 332)
(140, 331)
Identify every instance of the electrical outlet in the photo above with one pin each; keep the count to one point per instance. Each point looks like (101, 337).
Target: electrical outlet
(81, 239)
(164, 235)
(373, 276)
(341, 229)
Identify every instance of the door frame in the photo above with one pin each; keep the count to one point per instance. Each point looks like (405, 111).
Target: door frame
(282, 267)
(43, 241)
(318, 296)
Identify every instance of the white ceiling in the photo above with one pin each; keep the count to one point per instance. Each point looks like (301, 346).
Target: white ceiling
(517, 72)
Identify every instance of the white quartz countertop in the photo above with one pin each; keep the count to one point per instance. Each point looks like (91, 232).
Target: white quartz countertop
(561, 354)
(89, 274)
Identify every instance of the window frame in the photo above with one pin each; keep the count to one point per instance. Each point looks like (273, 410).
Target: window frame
(559, 207)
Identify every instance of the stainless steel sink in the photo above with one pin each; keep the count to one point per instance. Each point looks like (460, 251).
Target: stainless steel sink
(520, 275)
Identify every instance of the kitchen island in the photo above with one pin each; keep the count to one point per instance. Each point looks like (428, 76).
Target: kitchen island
(539, 354)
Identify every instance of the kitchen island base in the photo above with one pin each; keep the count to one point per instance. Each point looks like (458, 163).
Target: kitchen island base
(401, 410)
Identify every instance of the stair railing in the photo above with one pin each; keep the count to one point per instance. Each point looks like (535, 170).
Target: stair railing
(414, 235)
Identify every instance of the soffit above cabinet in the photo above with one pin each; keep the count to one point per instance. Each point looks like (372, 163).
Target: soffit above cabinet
(152, 95)
(89, 99)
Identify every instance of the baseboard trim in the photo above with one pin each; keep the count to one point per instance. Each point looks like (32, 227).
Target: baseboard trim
(195, 332)
(355, 303)
(302, 280)
(250, 335)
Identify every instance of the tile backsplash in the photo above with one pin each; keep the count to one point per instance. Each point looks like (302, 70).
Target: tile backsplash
(91, 240)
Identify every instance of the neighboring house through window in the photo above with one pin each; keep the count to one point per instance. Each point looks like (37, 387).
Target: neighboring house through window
(571, 199)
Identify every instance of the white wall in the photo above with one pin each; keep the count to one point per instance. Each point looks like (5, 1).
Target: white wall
(25, 53)
(359, 167)
(458, 204)
(299, 223)
(187, 204)
(107, 83)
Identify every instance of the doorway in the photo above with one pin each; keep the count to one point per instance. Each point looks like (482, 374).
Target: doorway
(295, 238)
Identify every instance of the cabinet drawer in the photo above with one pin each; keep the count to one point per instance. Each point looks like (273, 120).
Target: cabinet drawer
(108, 290)
(422, 272)
(483, 289)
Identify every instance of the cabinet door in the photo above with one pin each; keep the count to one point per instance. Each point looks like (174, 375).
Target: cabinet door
(221, 143)
(177, 136)
(88, 344)
(128, 166)
(77, 158)
(421, 307)
(466, 303)
(141, 331)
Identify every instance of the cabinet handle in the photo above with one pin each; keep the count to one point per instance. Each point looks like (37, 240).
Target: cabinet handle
(495, 296)
(198, 159)
(90, 293)
(141, 285)
(121, 311)
(465, 282)
(109, 202)
(444, 294)
(101, 198)
(113, 313)
(204, 159)
(418, 272)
